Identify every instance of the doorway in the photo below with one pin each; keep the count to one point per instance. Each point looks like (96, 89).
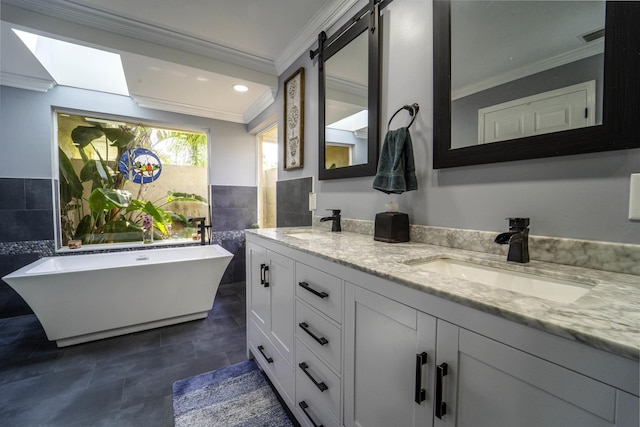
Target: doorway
(267, 176)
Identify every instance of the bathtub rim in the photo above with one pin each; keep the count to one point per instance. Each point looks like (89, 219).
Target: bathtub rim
(25, 270)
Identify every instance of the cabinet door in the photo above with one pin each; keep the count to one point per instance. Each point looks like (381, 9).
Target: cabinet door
(282, 294)
(489, 384)
(384, 342)
(258, 286)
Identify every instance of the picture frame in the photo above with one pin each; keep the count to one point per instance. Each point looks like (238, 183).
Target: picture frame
(294, 120)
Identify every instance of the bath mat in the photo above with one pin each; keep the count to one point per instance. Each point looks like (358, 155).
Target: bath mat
(234, 396)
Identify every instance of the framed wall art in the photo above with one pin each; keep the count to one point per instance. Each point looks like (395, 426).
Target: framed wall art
(294, 118)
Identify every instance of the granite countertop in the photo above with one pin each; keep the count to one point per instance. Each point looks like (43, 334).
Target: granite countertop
(606, 317)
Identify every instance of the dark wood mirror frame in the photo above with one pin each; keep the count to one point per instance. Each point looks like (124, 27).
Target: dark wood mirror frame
(369, 21)
(621, 118)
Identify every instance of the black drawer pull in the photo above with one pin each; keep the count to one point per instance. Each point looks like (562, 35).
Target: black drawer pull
(263, 275)
(305, 285)
(420, 393)
(320, 340)
(321, 385)
(440, 406)
(267, 358)
(304, 407)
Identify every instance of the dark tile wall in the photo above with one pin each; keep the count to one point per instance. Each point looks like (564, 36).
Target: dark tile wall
(233, 209)
(26, 228)
(234, 242)
(26, 210)
(292, 202)
(11, 304)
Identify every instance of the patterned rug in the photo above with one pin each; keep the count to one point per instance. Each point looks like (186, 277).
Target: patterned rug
(234, 396)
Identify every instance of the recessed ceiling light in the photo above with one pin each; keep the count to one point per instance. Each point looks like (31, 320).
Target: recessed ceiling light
(240, 88)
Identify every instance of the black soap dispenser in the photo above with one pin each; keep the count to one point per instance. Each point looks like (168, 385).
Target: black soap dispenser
(391, 226)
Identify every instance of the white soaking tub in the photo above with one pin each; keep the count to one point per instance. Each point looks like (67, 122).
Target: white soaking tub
(83, 298)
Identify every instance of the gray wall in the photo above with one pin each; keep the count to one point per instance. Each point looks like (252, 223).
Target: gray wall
(26, 127)
(583, 196)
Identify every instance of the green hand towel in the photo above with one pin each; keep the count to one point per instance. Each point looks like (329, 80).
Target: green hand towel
(396, 167)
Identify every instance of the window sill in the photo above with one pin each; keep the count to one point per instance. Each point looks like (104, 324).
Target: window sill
(128, 245)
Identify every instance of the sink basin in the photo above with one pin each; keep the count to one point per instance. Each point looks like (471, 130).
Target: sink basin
(551, 289)
(307, 235)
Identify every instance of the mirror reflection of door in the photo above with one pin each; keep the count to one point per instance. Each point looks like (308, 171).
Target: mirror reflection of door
(511, 54)
(346, 115)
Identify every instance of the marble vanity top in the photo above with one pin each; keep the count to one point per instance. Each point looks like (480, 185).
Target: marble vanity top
(606, 317)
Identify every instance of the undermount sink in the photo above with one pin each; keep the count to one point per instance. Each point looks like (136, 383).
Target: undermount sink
(307, 235)
(551, 289)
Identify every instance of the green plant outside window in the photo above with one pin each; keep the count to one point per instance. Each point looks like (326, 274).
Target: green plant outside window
(99, 204)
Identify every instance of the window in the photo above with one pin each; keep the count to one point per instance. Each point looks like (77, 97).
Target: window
(118, 179)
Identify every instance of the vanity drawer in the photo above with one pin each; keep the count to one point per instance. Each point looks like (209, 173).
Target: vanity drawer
(320, 290)
(314, 413)
(319, 334)
(271, 361)
(323, 383)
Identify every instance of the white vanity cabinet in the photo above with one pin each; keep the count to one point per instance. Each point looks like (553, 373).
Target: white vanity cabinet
(270, 315)
(389, 362)
(483, 383)
(354, 349)
(470, 378)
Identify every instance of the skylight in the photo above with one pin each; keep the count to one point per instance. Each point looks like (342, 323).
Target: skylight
(77, 66)
(352, 123)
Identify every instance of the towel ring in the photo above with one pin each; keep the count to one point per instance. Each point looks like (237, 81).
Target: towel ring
(413, 112)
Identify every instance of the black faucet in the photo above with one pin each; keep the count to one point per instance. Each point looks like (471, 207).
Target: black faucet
(335, 226)
(201, 227)
(518, 239)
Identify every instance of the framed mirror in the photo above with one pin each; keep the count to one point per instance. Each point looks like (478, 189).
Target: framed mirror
(569, 87)
(349, 93)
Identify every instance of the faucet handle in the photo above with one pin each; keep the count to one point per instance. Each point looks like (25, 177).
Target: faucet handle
(334, 211)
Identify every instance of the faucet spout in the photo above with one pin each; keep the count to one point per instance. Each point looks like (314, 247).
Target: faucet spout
(201, 227)
(517, 238)
(335, 226)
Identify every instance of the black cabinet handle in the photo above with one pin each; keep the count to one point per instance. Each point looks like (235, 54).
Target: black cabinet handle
(320, 340)
(267, 358)
(304, 407)
(420, 393)
(440, 406)
(263, 275)
(305, 285)
(321, 385)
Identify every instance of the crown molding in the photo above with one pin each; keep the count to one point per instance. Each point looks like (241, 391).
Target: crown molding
(301, 43)
(261, 104)
(25, 82)
(192, 110)
(586, 51)
(83, 15)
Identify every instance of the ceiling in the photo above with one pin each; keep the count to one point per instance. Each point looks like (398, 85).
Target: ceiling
(493, 42)
(183, 56)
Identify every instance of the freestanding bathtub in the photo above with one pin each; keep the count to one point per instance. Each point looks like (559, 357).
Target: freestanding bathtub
(83, 298)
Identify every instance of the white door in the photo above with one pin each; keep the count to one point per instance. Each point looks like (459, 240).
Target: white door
(258, 285)
(567, 108)
(489, 384)
(385, 369)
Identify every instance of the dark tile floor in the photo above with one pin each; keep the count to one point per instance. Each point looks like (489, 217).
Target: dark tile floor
(120, 381)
